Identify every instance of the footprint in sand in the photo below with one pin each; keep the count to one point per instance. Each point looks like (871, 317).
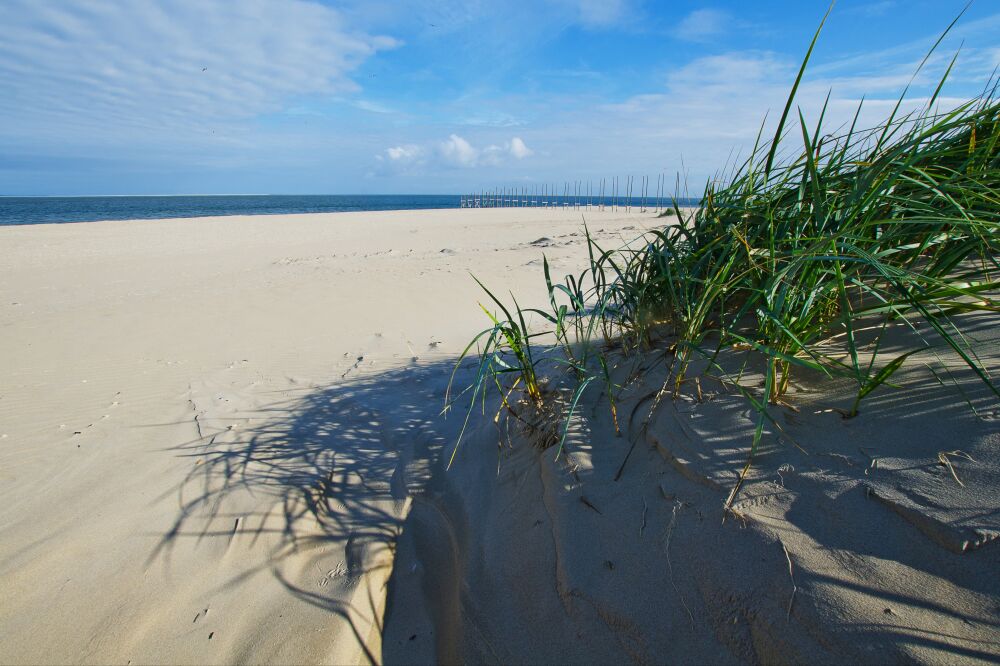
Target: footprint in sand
(339, 572)
(356, 365)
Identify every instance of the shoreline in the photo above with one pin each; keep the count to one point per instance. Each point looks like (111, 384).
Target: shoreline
(28, 214)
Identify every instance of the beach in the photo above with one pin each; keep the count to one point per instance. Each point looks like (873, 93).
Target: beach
(133, 352)
(567, 332)
(222, 440)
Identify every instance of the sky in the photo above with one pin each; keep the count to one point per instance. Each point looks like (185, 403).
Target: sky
(416, 96)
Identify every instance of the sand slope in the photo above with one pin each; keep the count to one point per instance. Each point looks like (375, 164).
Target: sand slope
(850, 542)
(193, 469)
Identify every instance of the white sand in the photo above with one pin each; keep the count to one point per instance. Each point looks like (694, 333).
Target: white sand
(135, 355)
(221, 443)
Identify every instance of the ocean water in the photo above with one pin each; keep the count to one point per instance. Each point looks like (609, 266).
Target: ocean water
(55, 210)
(50, 210)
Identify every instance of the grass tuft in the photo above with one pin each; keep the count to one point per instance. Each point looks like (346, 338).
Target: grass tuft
(802, 263)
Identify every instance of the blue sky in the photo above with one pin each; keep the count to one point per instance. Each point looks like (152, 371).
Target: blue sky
(290, 96)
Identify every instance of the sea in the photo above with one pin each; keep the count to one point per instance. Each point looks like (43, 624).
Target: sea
(57, 210)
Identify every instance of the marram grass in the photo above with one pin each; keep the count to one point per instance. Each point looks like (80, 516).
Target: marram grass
(788, 260)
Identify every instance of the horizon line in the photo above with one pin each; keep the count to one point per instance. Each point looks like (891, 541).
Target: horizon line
(227, 194)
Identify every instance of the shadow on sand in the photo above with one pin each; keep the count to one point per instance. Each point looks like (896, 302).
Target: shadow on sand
(317, 486)
(332, 474)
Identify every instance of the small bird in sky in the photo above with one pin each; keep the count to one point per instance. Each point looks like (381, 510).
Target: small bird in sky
(204, 69)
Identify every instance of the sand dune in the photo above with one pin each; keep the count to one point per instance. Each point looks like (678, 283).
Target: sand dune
(566, 562)
(220, 442)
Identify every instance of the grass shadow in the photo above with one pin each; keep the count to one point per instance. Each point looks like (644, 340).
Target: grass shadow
(314, 488)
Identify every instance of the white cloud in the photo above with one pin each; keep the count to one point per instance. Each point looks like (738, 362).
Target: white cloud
(372, 107)
(401, 159)
(454, 152)
(458, 151)
(518, 148)
(167, 69)
(405, 154)
(702, 24)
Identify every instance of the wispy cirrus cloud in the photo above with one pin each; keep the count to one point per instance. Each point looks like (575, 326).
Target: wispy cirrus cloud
(492, 118)
(599, 13)
(167, 69)
(711, 110)
(372, 107)
(445, 16)
(703, 24)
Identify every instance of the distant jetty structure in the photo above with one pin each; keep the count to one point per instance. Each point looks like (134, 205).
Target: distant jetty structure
(604, 194)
